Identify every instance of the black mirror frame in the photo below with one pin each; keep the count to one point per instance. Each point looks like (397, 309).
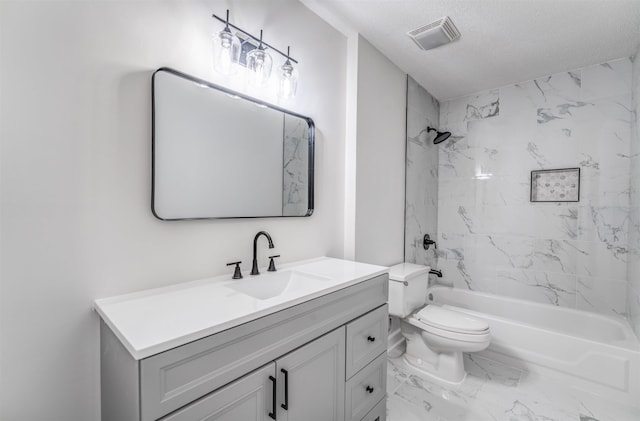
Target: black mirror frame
(210, 85)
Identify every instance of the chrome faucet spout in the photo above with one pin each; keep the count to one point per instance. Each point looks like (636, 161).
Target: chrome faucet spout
(254, 266)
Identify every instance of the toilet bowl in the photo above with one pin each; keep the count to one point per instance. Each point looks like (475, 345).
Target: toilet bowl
(436, 337)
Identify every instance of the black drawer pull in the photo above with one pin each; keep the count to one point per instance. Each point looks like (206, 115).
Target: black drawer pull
(272, 415)
(371, 338)
(370, 389)
(285, 405)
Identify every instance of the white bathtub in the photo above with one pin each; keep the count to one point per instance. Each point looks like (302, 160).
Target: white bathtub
(593, 352)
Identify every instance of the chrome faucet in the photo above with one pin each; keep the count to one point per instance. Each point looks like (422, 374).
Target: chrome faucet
(254, 267)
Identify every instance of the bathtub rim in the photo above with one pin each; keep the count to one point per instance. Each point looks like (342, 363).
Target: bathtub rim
(631, 342)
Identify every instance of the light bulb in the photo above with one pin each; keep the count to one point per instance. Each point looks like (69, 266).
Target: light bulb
(226, 40)
(226, 52)
(259, 65)
(288, 81)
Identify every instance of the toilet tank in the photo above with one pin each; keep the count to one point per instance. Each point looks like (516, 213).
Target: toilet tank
(408, 284)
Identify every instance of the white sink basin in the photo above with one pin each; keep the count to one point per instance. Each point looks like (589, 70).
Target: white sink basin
(153, 321)
(273, 284)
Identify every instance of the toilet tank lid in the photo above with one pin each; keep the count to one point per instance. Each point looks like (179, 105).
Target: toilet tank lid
(406, 271)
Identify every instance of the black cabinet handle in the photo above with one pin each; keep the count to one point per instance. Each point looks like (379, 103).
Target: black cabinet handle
(272, 415)
(285, 405)
(370, 389)
(371, 338)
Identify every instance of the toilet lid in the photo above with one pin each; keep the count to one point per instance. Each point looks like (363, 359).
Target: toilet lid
(454, 321)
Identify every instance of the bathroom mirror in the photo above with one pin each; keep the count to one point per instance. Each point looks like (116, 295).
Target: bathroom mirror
(221, 154)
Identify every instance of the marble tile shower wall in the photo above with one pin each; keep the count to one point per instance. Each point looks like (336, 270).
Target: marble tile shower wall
(491, 237)
(633, 287)
(421, 203)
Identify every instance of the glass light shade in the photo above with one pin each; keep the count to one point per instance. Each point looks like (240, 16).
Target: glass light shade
(288, 81)
(226, 52)
(259, 64)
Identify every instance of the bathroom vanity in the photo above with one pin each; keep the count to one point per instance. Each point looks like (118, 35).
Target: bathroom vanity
(305, 343)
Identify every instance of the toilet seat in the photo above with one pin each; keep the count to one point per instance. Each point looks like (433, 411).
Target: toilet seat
(479, 337)
(438, 319)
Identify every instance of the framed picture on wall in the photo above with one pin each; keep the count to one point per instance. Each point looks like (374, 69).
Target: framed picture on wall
(558, 185)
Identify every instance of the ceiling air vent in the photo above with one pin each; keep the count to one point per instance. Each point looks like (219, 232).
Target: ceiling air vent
(435, 34)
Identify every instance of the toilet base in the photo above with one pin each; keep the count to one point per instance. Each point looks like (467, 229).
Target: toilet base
(448, 367)
(435, 357)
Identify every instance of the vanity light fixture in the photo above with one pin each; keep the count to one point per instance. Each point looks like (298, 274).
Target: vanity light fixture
(257, 60)
(226, 50)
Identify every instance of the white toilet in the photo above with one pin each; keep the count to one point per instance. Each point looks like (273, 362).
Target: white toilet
(436, 336)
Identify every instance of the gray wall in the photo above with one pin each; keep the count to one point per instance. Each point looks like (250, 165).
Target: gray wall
(379, 158)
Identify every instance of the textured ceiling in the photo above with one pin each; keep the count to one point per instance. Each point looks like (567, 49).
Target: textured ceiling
(503, 41)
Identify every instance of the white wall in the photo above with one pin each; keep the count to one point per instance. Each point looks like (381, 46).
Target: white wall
(75, 183)
(380, 158)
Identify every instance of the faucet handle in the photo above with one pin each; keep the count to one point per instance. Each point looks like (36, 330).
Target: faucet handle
(427, 241)
(272, 265)
(236, 273)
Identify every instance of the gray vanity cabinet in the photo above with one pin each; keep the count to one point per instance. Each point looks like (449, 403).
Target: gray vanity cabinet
(325, 358)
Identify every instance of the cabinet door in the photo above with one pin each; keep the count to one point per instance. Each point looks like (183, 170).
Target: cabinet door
(311, 380)
(249, 398)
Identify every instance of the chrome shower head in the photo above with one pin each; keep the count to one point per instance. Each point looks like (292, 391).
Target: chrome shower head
(440, 136)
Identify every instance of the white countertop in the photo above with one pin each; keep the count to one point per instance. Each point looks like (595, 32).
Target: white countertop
(155, 320)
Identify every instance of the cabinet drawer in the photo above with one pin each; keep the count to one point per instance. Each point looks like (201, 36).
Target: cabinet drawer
(378, 413)
(365, 389)
(248, 399)
(366, 339)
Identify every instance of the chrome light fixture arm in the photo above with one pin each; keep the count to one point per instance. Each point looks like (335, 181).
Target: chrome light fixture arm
(259, 40)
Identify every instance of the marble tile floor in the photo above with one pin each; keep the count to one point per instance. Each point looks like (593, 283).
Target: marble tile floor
(494, 392)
